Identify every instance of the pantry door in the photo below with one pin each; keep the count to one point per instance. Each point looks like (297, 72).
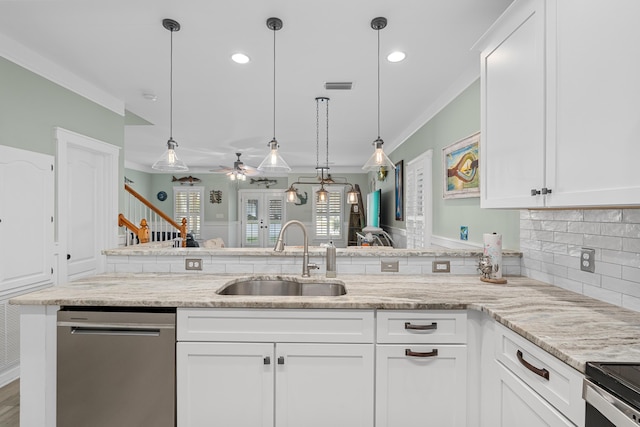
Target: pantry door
(262, 215)
(87, 204)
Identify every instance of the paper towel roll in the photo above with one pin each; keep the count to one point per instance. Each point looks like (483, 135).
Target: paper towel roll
(493, 249)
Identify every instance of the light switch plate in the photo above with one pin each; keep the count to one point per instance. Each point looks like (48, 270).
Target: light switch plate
(441, 267)
(389, 266)
(588, 260)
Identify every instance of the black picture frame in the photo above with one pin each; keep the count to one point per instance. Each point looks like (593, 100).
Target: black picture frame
(399, 173)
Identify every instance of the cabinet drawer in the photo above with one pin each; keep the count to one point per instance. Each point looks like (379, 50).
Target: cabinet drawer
(238, 325)
(558, 383)
(420, 327)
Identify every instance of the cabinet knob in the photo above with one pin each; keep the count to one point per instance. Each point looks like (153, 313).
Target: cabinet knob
(267, 360)
(534, 192)
(546, 190)
(281, 360)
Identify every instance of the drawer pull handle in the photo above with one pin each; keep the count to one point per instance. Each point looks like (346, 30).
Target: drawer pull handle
(432, 353)
(541, 372)
(431, 327)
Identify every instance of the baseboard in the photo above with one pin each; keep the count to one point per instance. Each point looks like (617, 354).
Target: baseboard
(9, 375)
(447, 242)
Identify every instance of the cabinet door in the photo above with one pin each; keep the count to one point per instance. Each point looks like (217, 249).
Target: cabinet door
(513, 108)
(414, 390)
(320, 385)
(224, 384)
(520, 406)
(594, 88)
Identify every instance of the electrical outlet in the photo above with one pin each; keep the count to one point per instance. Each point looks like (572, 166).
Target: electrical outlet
(588, 260)
(193, 264)
(389, 266)
(441, 267)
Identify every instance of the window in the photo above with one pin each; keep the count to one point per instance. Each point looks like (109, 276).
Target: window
(188, 203)
(328, 215)
(418, 201)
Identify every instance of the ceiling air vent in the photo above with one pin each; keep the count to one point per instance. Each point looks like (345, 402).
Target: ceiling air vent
(338, 85)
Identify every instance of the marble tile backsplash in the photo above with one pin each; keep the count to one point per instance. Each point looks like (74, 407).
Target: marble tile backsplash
(551, 240)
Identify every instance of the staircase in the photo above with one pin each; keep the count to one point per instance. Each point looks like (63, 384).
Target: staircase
(141, 211)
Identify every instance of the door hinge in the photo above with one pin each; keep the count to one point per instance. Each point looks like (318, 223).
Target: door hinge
(51, 270)
(52, 168)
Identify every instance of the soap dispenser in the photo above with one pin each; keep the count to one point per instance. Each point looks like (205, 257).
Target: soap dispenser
(331, 260)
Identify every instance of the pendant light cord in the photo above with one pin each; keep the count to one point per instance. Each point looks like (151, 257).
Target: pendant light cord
(318, 136)
(327, 163)
(378, 83)
(171, 88)
(274, 84)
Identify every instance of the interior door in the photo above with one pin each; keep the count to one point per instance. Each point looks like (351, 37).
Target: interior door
(262, 216)
(88, 188)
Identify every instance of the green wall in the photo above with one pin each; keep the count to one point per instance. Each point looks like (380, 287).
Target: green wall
(32, 106)
(459, 119)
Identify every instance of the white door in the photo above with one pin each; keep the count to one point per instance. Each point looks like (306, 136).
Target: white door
(26, 219)
(421, 388)
(224, 384)
(320, 385)
(419, 201)
(87, 203)
(262, 215)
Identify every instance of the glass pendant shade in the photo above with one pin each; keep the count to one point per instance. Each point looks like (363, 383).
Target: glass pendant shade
(378, 158)
(273, 162)
(352, 196)
(292, 194)
(323, 194)
(169, 161)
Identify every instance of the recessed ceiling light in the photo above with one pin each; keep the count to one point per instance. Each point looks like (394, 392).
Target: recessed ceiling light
(150, 96)
(240, 58)
(396, 56)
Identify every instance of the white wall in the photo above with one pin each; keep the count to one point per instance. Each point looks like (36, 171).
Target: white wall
(550, 241)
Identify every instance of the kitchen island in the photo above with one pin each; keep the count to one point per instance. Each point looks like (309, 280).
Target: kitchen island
(572, 327)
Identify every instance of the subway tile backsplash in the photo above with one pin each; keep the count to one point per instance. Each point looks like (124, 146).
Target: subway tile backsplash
(551, 240)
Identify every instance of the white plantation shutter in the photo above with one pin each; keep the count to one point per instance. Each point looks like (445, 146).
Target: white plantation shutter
(328, 217)
(188, 203)
(418, 201)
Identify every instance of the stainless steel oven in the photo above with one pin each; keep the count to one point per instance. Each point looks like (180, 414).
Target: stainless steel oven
(116, 367)
(612, 394)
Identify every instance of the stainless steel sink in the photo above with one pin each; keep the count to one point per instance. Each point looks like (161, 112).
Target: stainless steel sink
(282, 287)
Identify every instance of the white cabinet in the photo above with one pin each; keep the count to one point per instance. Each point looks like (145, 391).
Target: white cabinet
(529, 387)
(421, 382)
(559, 92)
(304, 368)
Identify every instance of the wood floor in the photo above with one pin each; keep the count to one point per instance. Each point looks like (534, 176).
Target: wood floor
(10, 405)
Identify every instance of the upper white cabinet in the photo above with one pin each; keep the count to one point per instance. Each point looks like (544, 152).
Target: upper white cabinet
(559, 115)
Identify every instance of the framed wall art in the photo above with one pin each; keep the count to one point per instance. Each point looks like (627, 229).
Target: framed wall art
(400, 191)
(460, 165)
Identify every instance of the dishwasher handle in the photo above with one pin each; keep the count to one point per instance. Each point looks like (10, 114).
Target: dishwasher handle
(126, 331)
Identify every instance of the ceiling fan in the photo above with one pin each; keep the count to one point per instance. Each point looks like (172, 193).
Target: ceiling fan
(239, 171)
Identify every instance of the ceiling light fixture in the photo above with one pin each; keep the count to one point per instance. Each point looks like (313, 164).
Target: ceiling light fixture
(378, 158)
(274, 162)
(322, 172)
(169, 161)
(396, 56)
(240, 58)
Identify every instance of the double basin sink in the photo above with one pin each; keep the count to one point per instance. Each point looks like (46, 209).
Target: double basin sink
(281, 287)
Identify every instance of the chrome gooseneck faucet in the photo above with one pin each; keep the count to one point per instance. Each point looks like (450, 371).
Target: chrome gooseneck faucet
(305, 256)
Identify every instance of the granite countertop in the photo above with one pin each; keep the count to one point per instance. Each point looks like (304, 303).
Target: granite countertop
(572, 327)
(165, 249)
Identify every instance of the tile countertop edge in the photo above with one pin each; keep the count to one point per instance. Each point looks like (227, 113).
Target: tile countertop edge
(552, 318)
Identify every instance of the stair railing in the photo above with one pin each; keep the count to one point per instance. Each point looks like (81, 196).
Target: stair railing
(154, 226)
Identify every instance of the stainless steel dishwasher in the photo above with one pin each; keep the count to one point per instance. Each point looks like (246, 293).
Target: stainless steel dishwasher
(115, 367)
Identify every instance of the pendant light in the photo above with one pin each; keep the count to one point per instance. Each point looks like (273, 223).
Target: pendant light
(322, 194)
(274, 162)
(378, 159)
(169, 161)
